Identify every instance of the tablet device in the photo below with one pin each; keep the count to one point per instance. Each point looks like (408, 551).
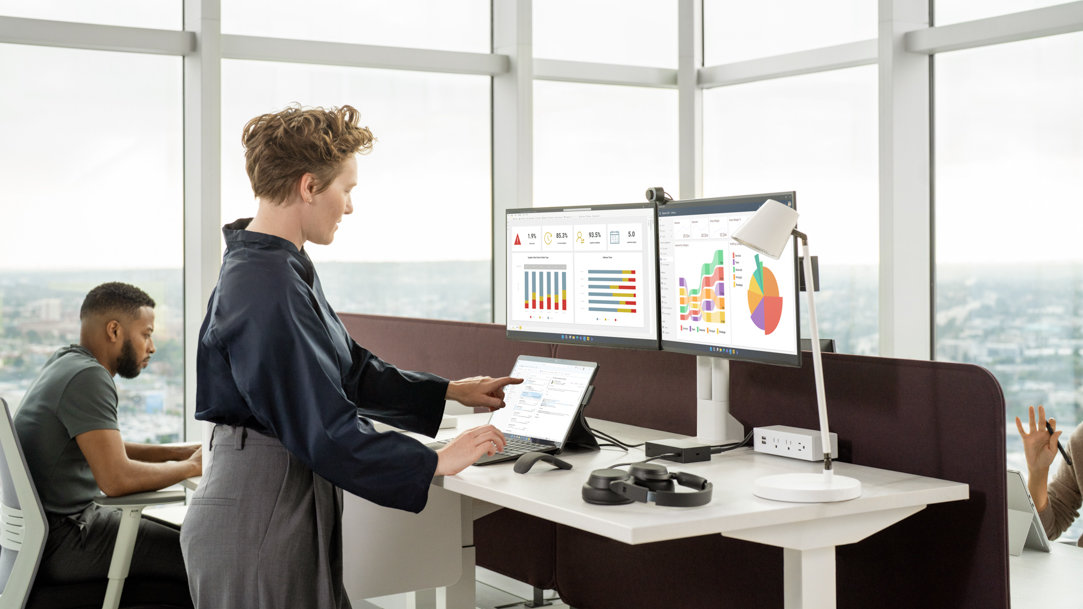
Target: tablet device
(1025, 528)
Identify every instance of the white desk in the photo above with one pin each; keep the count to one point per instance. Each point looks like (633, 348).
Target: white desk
(1046, 579)
(808, 533)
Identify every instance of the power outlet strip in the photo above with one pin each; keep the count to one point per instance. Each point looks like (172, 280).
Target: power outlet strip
(793, 442)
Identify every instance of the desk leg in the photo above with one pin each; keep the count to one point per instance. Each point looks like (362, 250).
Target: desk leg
(809, 578)
(462, 594)
(809, 550)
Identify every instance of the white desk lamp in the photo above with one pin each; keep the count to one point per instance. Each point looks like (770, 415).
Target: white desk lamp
(768, 231)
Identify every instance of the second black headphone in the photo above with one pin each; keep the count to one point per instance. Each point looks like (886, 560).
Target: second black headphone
(645, 482)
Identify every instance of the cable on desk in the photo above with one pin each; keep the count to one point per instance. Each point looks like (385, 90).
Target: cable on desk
(623, 445)
(721, 448)
(605, 436)
(647, 460)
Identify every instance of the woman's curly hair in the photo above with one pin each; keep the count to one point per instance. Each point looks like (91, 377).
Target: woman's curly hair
(281, 147)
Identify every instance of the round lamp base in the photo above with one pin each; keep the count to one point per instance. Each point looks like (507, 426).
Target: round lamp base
(807, 488)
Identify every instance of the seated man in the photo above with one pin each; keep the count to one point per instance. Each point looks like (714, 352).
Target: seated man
(67, 424)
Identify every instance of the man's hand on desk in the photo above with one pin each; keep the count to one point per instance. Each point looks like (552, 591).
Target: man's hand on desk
(481, 391)
(468, 447)
(197, 460)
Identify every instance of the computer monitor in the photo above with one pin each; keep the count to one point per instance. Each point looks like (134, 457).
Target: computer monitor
(583, 275)
(718, 297)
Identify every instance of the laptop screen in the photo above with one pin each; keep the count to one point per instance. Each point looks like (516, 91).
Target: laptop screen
(546, 403)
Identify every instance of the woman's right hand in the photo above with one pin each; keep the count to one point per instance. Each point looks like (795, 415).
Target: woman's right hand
(467, 448)
(1039, 446)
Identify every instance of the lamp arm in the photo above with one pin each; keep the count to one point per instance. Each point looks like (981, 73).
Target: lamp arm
(817, 359)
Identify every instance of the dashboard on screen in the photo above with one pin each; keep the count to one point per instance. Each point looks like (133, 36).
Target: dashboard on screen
(718, 297)
(583, 275)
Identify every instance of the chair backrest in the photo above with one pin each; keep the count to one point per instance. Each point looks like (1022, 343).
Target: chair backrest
(23, 530)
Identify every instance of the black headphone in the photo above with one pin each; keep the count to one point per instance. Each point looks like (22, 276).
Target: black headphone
(646, 482)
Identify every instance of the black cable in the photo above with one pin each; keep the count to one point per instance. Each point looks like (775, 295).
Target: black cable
(605, 436)
(646, 460)
(721, 448)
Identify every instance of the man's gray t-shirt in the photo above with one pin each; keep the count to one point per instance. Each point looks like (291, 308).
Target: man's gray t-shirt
(73, 394)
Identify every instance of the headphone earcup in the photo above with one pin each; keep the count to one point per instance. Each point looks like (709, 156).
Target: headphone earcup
(596, 490)
(652, 476)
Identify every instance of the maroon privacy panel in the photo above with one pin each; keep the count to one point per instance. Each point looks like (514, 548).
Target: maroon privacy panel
(649, 389)
(929, 418)
(936, 419)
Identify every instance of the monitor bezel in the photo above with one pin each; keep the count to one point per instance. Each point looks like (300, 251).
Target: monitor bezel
(645, 344)
(747, 355)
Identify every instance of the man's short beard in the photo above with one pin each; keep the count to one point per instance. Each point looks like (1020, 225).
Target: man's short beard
(127, 365)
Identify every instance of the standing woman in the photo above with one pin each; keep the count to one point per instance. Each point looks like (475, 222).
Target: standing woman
(293, 396)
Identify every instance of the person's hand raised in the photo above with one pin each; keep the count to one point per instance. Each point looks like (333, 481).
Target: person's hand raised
(1039, 446)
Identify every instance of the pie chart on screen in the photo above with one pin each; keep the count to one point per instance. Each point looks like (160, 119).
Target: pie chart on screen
(764, 300)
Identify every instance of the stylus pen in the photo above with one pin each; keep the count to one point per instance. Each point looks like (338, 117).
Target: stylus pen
(1063, 453)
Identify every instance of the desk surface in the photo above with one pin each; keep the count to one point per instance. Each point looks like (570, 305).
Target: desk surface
(555, 494)
(1046, 579)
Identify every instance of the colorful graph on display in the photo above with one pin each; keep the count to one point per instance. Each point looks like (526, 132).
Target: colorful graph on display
(705, 302)
(611, 291)
(545, 286)
(764, 301)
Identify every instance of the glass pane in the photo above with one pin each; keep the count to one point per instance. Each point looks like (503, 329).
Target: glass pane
(816, 135)
(630, 32)
(601, 143)
(99, 197)
(734, 30)
(1009, 270)
(462, 25)
(419, 241)
(158, 14)
(954, 11)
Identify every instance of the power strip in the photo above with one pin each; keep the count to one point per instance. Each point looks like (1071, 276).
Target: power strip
(793, 442)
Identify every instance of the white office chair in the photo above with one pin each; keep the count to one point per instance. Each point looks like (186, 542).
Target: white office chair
(22, 536)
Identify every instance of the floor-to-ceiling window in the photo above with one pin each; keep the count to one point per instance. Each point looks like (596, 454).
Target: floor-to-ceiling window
(92, 163)
(1009, 170)
(815, 134)
(597, 143)
(419, 241)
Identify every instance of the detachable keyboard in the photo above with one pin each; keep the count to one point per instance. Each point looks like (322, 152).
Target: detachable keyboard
(513, 447)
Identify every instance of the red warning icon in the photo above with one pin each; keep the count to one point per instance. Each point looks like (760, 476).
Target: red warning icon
(517, 242)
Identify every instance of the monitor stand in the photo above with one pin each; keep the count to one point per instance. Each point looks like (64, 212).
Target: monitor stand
(580, 437)
(714, 423)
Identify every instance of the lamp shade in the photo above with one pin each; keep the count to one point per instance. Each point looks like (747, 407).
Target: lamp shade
(768, 230)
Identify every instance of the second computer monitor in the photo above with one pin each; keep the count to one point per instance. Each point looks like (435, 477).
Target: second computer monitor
(721, 298)
(583, 275)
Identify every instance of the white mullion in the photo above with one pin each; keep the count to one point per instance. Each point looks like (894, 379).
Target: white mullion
(604, 73)
(512, 133)
(824, 59)
(1037, 23)
(41, 32)
(905, 296)
(202, 184)
(690, 98)
(361, 55)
